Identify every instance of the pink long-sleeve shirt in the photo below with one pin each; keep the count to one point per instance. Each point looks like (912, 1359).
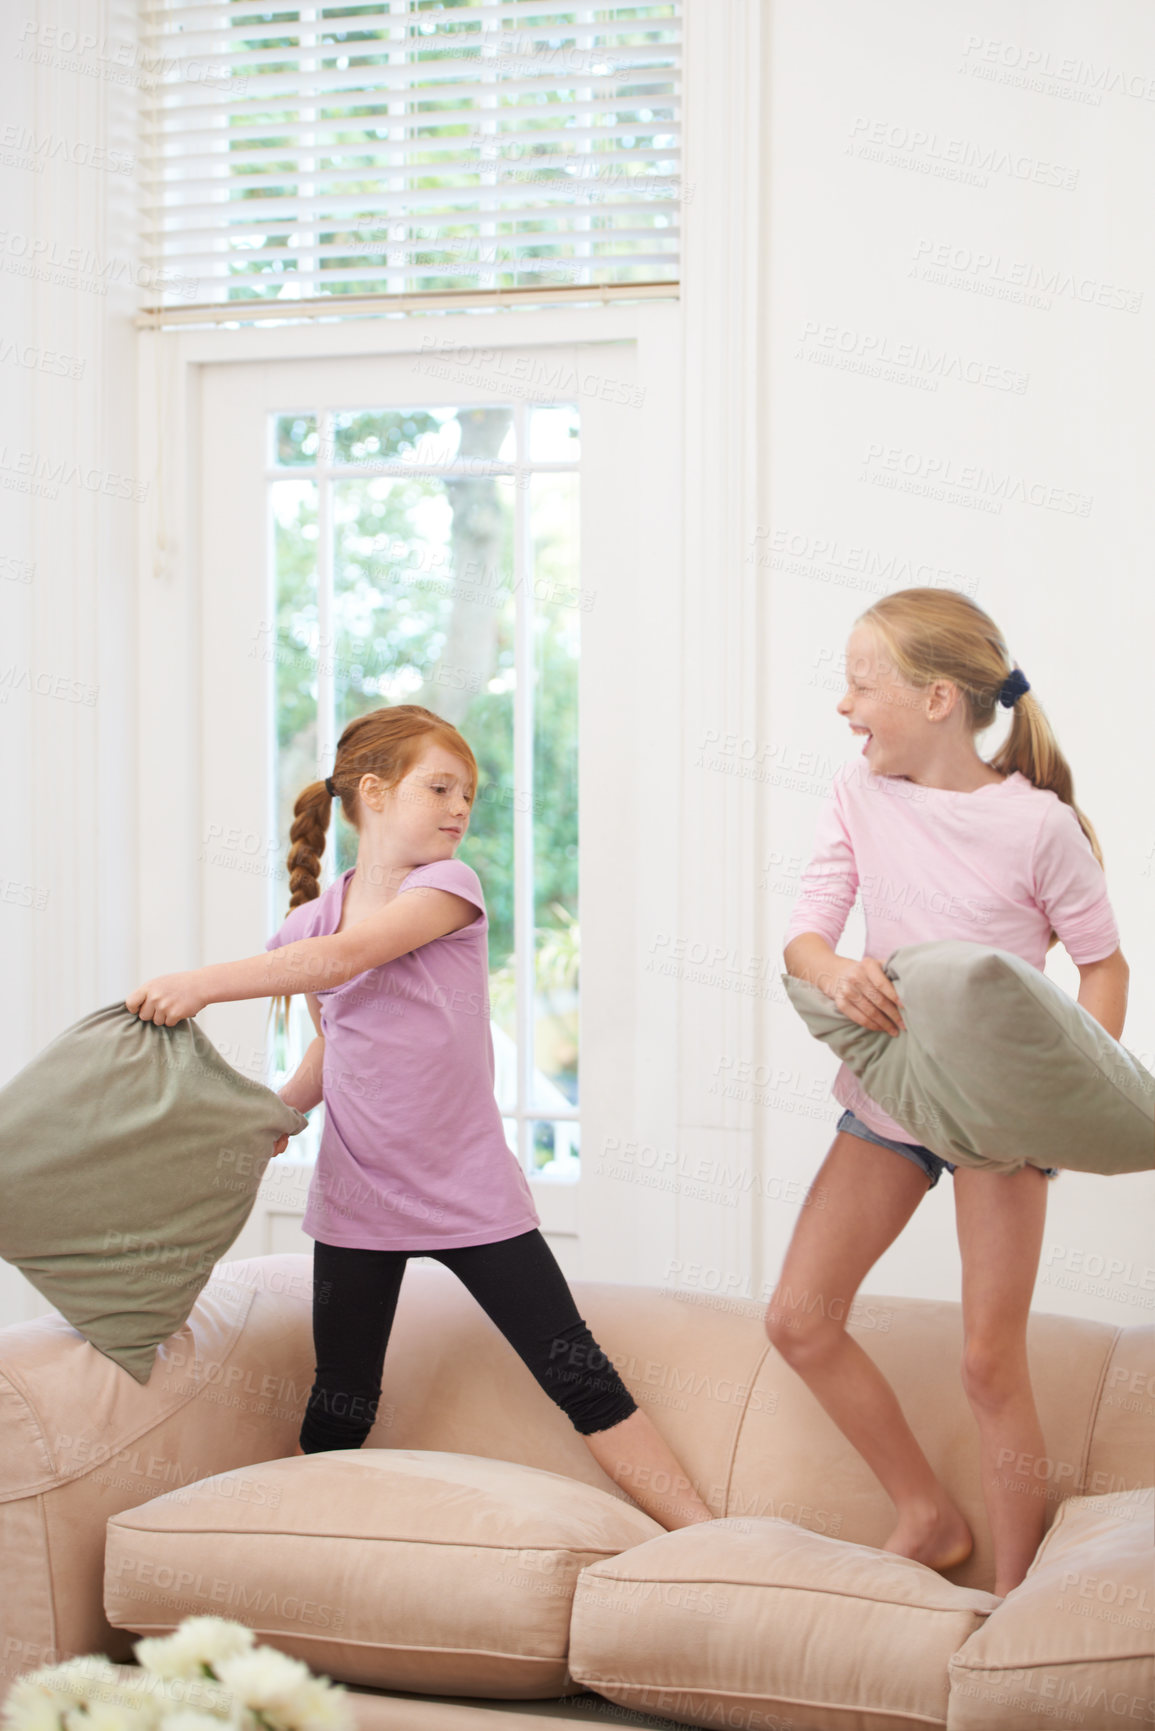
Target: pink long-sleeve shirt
(1003, 865)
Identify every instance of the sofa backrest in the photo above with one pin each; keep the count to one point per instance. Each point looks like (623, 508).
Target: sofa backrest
(747, 1429)
(80, 1440)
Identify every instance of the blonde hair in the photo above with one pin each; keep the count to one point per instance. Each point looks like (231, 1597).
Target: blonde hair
(385, 743)
(941, 634)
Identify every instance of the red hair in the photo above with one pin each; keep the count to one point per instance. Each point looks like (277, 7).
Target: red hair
(385, 743)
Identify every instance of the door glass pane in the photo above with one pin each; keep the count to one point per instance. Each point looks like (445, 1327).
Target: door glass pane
(293, 646)
(423, 613)
(395, 435)
(554, 434)
(295, 440)
(555, 1149)
(555, 555)
(428, 574)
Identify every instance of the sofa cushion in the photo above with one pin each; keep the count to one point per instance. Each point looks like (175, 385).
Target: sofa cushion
(432, 1572)
(759, 1622)
(1073, 1641)
(997, 1066)
(132, 1157)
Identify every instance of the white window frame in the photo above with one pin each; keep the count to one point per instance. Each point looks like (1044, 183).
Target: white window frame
(523, 1112)
(645, 339)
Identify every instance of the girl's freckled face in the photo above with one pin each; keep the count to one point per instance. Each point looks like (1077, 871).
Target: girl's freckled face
(434, 802)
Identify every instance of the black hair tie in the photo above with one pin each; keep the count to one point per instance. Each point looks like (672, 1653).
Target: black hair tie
(329, 788)
(1013, 686)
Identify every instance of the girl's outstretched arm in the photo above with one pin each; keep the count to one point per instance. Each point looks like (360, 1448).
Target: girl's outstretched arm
(1103, 991)
(403, 924)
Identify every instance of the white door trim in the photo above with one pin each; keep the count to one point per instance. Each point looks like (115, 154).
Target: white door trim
(628, 396)
(689, 647)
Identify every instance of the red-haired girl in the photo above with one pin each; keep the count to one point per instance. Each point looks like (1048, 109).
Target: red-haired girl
(393, 960)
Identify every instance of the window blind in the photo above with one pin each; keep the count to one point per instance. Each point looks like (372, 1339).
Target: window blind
(405, 147)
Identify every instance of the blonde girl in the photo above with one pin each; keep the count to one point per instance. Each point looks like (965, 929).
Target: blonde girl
(940, 843)
(413, 1161)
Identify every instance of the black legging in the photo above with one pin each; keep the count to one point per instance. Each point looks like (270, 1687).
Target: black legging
(518, 1284)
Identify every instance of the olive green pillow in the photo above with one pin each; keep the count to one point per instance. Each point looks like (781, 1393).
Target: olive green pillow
(997, 1067)
(130, 1156)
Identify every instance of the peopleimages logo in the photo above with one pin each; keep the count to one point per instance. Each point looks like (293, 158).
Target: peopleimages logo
(37, 360)
(846, 565)
(79, 267)
(37, 148)
(29, 472)
(1012, 62)
(890, 464)
(952, 158)
(118, 60)
(989, 273)
(876, 355)
(560, 379)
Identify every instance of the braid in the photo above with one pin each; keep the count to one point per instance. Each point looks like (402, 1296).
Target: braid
(307, 834)
(306, 845)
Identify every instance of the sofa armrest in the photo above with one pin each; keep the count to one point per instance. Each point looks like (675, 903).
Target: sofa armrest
(81, 1440)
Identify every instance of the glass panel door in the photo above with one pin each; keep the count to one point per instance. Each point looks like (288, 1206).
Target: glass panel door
(430, 555)
(486, 537)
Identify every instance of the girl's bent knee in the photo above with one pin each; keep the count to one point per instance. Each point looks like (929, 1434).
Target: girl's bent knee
(603, 1415)
(993, 1375)
(798, 1335)
(319, 1438)
(337, 1418)
(581, 1379)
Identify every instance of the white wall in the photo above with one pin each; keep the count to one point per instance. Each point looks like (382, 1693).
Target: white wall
(852, 227)
(68, 286)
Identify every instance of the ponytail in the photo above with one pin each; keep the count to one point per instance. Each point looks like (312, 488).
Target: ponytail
(1032, 749)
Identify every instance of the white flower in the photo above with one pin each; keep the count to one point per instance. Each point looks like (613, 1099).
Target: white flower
(171, 1691)
(198, 1642)
(32, 1706)
(107, 1716)
(322, 1706)
(41, 1700)
(265, 1680)
(203, 1695)
(77, 1679)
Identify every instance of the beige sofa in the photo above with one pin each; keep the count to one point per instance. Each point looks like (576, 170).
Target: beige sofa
(473, 1569)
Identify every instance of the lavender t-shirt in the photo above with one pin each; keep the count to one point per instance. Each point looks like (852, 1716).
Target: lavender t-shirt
(413, 1155)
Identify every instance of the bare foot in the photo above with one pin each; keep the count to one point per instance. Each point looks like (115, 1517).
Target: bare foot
(938, 1537)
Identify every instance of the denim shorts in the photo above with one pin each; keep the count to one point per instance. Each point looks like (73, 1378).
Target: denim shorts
(932, 1164)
